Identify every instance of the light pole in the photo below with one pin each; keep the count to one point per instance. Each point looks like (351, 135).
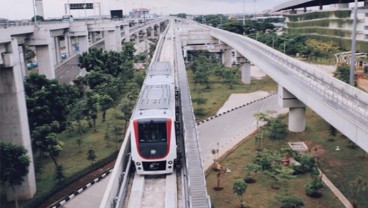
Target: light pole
(243, 12)
(85, 16)
(254, 8)
(34, 12)
(353, 45)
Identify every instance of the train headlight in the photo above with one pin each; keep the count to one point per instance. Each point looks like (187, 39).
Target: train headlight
(170, 162)
(138, 163)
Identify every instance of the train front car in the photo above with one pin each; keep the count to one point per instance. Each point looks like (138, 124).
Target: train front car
(153, 123)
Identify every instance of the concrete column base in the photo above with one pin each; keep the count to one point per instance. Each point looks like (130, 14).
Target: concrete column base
(227, 58)
(296, 119)
(245, 73)
(83, 44)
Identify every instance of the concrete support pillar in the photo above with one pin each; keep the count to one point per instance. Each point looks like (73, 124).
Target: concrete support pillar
(185, 52)
(22, 57)
(46, 59)
(227, 58)
(152, 33)
(57, 50)
(144, 37)
(136, 38)
(245, 72)
(83, 43)
(158, 31)
(93, 37)
(296, 121)
(126, 32)
(14, 120)
(113, 39)
(68, 45)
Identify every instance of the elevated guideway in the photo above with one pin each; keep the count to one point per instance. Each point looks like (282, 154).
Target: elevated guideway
(184, 189)
(343, 106)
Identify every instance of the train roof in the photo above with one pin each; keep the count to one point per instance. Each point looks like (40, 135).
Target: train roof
(154, 97)
(160, 68)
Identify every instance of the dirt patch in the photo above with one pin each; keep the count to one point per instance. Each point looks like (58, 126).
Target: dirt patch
(315, 149)
(363, 83)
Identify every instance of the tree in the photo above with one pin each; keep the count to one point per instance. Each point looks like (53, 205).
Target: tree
(139, 79)
(37, 18)
(126, 108)
(342, 73)
(48, 101)
(91, 155)
(14, 163)
(30, 54)
(93, 106)
(359, 186)
(332, 132)
(105, 103)
(239, 188)
(182, 15)
(262, 118)
(51, 146)
(59, 174)
(259, 140)
(79, 141)
(118, 132)
(270, 164)
(250, 168)
(107, 136)
(277, 129)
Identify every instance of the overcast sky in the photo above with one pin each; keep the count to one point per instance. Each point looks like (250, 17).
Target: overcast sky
(22, 9)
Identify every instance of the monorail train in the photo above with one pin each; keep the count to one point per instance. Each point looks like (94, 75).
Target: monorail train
(153, 137)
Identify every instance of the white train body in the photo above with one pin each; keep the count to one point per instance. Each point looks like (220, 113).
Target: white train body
(153, 137)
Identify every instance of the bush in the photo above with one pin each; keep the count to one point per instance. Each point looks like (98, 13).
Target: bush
(290, 201)
(307, 163)
(312, 189)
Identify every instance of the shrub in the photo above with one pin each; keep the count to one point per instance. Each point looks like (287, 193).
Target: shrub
(313, 188)
(290, 201)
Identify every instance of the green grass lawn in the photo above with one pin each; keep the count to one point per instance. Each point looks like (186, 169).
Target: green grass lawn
(71, 158)
(219, 92)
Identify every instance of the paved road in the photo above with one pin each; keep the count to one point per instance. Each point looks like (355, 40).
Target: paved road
(68, 71)
(91, 197)
(229, 129)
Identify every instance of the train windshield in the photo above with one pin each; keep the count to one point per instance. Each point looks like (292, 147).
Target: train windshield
(152, 131)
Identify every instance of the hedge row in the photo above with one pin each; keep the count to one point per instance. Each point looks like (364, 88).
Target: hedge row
(319, 15)
(320, 31)
(345, 44)
(37, 201)
(320, 23)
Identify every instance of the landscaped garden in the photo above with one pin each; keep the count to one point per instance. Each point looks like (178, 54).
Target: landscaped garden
(345, 167)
